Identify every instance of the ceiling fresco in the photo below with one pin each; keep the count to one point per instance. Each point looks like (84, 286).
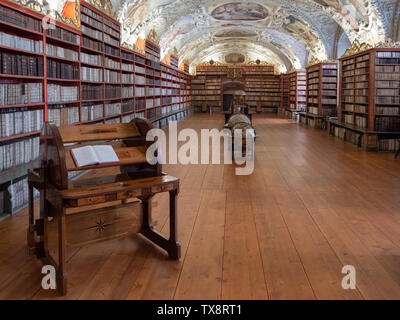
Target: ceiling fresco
(287, 33)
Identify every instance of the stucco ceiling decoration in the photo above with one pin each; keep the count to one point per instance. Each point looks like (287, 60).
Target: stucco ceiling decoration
(288, 31)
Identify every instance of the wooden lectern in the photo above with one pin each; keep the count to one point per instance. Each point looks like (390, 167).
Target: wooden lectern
(75, 213)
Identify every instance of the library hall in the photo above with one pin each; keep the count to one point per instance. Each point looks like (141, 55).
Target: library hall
(173, 152)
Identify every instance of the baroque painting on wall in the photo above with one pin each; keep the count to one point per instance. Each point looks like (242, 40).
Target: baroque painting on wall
(65, 11)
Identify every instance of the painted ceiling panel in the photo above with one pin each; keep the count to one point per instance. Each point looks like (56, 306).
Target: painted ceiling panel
(285, 32)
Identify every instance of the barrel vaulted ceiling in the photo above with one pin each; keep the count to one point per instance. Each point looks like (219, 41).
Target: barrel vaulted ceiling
(284, 32)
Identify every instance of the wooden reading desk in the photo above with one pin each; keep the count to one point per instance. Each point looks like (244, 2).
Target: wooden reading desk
(79, 212)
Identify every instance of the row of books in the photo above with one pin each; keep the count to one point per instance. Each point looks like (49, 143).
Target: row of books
(387, 61)
(91, 112)
(60, 70)
(20, 93)
(128, 67)
(110, 63)
(63, 115)
(355, 108)
(61, 52)
(111, 31)
(387, 110)
(140, 91)
(387, 124)
(91, 74)
(91, 13)
(19, 64)
(387, 76)
(127, 91)
(388, 68)
(91, 21)
(16, 42)
(127, 78)
(112, 109)
(59, 93)
(15, 121)
(112, 91)
(63, 34)
(128, 105)
(112, 51)
(19, 19)
(113, 121)
(17, 152)
(388, 92)
(19, 196)
(110, 40)
(91, 91)
(388, 84)
(112, 76)
(390, 145)
(387, 100)
(91, 58)
(92, 32)
(92, 44)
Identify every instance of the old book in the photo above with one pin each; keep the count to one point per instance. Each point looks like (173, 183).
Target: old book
(94, 155)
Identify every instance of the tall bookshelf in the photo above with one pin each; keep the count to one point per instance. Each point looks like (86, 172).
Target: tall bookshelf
(369, 109)
(285, 94)
(262, 86)
(322, 94)
(22, 100)
(72, 77)
(206, 87)
(297, 93)
(297, 90)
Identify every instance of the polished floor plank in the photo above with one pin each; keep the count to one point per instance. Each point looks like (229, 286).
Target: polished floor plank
(313, 204)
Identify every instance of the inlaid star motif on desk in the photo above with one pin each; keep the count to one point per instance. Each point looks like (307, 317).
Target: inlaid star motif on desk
(100, 225)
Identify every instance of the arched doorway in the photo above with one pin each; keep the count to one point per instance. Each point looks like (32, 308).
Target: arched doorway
(229, 86)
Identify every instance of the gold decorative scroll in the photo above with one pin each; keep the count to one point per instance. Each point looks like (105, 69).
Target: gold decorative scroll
(259, 63)
(152, 36)
(211, 64)
(104, 6)
(356, 47)
(34, 5)
(235, 73)
(389, 43)
(314, 61)
(175, 52)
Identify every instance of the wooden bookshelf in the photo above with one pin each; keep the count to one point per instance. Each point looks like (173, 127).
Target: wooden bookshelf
(369, 108)
(285, 94)
(322, 94)
(297, 90)
(262, 86)
(84, 77)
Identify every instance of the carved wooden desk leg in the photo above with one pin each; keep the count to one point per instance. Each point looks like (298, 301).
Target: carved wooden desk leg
(175, 248)
(171, 245)
(62, 266)
(31, 227)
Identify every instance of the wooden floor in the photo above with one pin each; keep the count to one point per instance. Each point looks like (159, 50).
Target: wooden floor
(312, 205)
